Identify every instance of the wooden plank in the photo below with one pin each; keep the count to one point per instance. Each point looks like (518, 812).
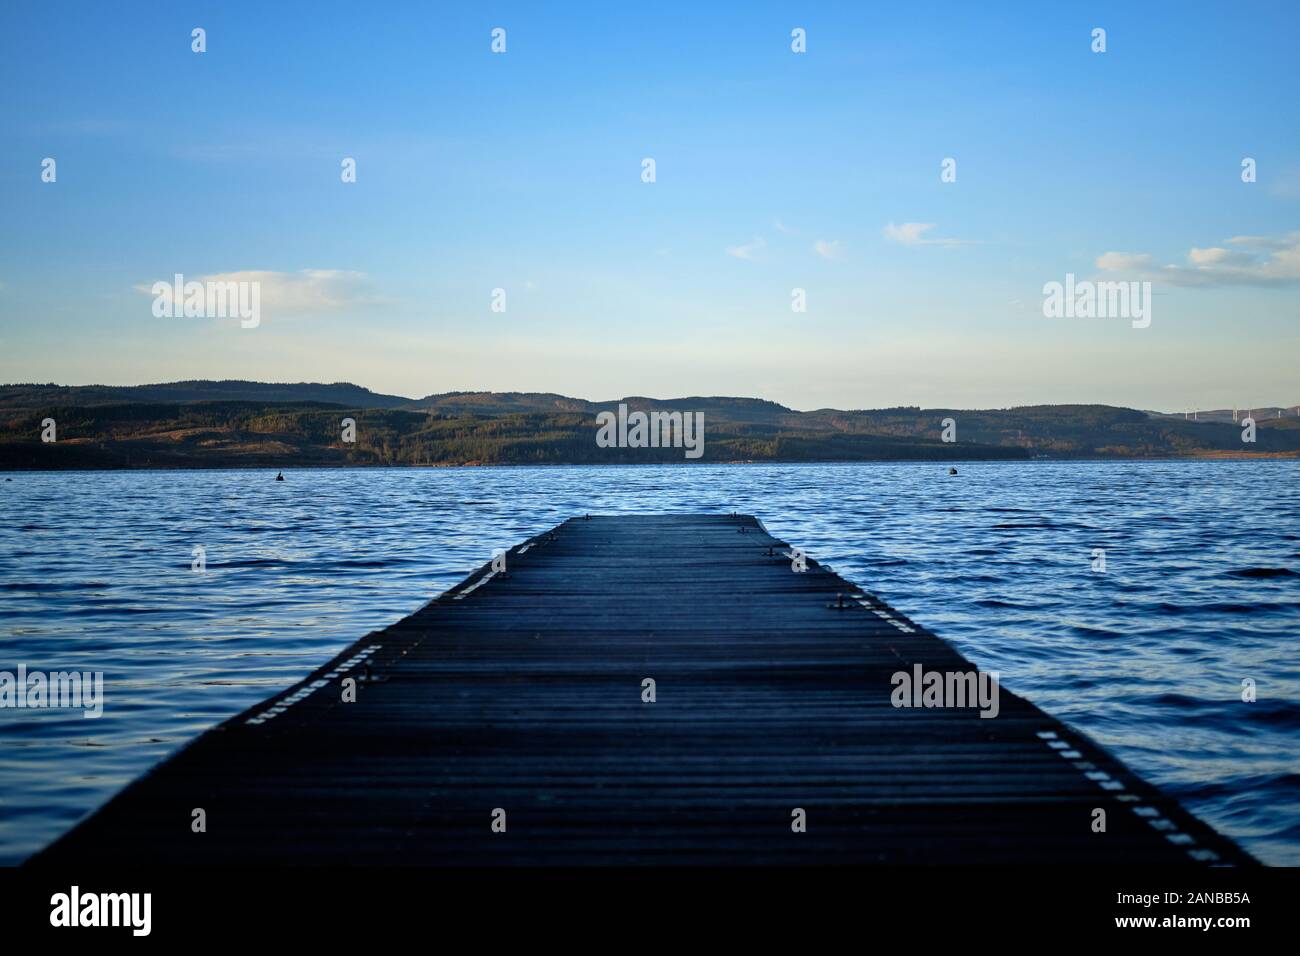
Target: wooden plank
(523, 692)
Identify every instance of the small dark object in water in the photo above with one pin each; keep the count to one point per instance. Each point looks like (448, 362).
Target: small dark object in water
(1263, 573)
(952, 471)
(280, 477)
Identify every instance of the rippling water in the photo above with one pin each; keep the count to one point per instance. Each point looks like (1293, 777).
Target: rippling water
(1200, 591)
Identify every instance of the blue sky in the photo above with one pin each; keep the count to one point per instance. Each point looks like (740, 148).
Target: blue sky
(775, 170)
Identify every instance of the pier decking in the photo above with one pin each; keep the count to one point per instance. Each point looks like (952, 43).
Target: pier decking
(523, 693)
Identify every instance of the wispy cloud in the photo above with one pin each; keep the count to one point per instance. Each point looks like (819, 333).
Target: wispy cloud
(297, 293)
(749, 250)
(1124, 262)
(1251, 260)
(827, 248)
(1266, 242)
(914, 234)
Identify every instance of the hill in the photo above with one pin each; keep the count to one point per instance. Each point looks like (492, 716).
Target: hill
(253, 424)
(341, 393)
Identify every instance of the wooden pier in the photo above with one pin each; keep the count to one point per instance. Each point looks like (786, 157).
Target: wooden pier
(507, 723)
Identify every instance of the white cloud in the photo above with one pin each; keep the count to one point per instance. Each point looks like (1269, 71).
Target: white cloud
(1218, 256)
(1266, 242)
(779, 226)
(908, 234)
(914, 234)
(1123, 261)
(747, 251)
(296, 293)
(827, 249)
(1257, 260)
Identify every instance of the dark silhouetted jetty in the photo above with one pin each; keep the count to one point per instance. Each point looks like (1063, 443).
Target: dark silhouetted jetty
(523, 692)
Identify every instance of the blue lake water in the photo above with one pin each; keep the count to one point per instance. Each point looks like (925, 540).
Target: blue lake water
(1200, 592)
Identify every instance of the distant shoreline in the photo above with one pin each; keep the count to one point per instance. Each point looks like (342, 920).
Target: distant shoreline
(249, 425)
(651, 464)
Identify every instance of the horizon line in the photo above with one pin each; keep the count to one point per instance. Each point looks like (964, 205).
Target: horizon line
(755, 398)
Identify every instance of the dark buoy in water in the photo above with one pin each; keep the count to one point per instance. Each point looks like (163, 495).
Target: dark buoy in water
(952, 471)
(280, 476)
